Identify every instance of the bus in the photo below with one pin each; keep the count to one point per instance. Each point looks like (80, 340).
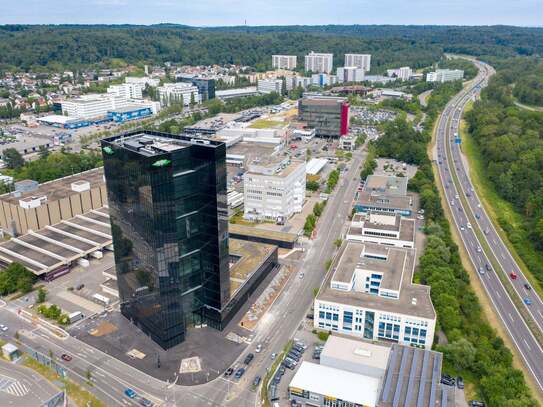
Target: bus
(101, 299)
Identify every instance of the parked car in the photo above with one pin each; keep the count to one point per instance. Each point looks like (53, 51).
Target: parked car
(229, 372)
(273, 356)
(460, 382)
(475, 403)
(239, 373)
(256, 381)
(258, 348)
(448, 380)
(249, 358)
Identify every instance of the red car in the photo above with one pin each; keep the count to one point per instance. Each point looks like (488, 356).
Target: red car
(513, 275)
(66, 357)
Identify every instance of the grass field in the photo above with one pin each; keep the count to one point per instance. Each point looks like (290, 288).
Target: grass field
(266, 124)
(497, 208)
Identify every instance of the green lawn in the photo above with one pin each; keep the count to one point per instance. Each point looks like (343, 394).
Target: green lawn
(498, 208)
(265, 124)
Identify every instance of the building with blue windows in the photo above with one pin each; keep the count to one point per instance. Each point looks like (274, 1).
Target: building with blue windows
(369, 293)
(382, 202)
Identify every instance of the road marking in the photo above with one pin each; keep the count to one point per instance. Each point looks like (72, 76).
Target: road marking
(528, 346)
(511, 316)
(499, 296)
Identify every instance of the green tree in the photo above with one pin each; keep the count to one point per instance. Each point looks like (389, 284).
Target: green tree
(42, 295)
(13, 159)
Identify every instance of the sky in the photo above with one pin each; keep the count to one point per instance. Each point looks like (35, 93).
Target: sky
(273, 12)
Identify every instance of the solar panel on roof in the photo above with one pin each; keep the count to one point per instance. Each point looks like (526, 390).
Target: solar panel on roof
(412, 378)
(399, 383)
(390, 370)
(435, 374)
(422, 386)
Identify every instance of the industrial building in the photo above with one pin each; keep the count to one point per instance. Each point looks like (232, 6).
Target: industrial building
(382, 228)
(369, 293)
(328, 115)
(359, 60)
(356, 373)
(350, 74)
(173, 262)
(445, 75)
(319, 62)
(274, 189)
(179, 92)
(284, 61)
(34, 206)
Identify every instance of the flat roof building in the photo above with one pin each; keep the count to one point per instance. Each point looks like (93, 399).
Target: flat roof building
(445, 75)
(284, 61)
(381, 202)
(236, 93)
(270, 85)
(319, 62)
(386, 184)
(382, 228)
(328, 115)
(180, 92)
(359, 60)
(369, 293)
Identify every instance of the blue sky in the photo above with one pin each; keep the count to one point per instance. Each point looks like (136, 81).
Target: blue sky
(273, 12)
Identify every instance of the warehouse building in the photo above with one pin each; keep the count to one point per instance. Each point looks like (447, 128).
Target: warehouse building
(34, 206)
(369, 293)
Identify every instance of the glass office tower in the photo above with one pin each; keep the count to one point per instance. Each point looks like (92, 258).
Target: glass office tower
(169, 220)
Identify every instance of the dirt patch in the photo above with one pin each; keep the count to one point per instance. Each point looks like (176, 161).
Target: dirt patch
(105, 328)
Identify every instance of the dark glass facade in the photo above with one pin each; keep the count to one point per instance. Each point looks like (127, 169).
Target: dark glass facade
(169, 219)
(206, 87)
(329, 116)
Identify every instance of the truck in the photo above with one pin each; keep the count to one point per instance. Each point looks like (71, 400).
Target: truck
(101, 299)
(75, 316)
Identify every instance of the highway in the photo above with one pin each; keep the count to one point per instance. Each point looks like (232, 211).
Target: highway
(110, 377)
(465, 205)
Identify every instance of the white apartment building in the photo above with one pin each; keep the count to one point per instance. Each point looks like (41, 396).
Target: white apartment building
(179, 92)
(382, 228)
(93, 105)
(404, 73)
(270, 85)
(359, 60)
(319, 62)
(274, 191)
(445, 75)
(298, 81)
(369, 294)
(284, 61)
(142, 81)
(126, 90)
(323, 79)
(350, 74)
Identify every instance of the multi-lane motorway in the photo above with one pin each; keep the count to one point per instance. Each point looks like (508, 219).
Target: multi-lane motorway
(466, 207)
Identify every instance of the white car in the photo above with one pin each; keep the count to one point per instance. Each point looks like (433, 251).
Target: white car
(3, 328)
(462, 228)
(301, 275)
(457, 196)
(469, 225)
(258, 348)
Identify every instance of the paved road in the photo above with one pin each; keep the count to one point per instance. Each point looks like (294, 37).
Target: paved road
(111, 377)
(22, 387)
(450, 161)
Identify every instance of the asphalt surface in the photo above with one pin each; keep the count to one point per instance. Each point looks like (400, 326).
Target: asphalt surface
(450, 160)
(110, 377)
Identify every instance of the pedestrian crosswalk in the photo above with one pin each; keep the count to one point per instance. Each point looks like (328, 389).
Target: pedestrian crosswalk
(13, 387)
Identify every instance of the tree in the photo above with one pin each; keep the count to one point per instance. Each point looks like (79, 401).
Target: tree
(312, 185)
(13, 159)
(43, 152)
(338, 243)
(42, 295)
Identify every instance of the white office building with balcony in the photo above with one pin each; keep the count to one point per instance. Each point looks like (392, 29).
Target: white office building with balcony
(369, 294)
(270, 85)
(445, 75)
(274, 191)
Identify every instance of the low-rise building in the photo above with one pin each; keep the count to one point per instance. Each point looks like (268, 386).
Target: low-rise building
(236, 93)
(274, 190)
(404, 73)
(323, 79)
(369, 293)
(386, 184)
(179, 92)
(93, 105)
(382, 228)
(350, 74)
(127, 90)
(270, 85)
(382, 202)
(445, 75)
(347, 143)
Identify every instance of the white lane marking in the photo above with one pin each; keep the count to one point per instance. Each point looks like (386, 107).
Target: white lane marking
(528, 346)
(511, 316)
(499, 296)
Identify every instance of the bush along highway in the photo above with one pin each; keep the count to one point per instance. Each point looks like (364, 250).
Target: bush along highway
(472, 347)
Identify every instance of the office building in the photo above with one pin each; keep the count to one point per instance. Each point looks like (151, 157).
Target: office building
(206, 86)
(319, 62)
(93, 105)
(445, 75)
(323, 79)
(126, 90)
(359, 60)
(169, 219)
(385, 184)
(180, 92)
(236, 93)
(404, 73)
(284, 61)
(274, 190)
(369, 293)
(328, 115)
(142, 81)
(270, 85)
(350, 74)
(382, 228)
(356, 373)
(385, 203)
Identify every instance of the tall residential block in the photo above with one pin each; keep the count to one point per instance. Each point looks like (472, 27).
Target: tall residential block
(359, 60)
(319, 62)
(284, 61)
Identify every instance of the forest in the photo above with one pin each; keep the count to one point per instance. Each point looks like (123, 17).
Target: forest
(71, 46)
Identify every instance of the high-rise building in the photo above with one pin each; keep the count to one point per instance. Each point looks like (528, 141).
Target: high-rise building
(284, 61)
(350, 74)
(169, 222)
(328, 115)
(359, 60)
(319, 62)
